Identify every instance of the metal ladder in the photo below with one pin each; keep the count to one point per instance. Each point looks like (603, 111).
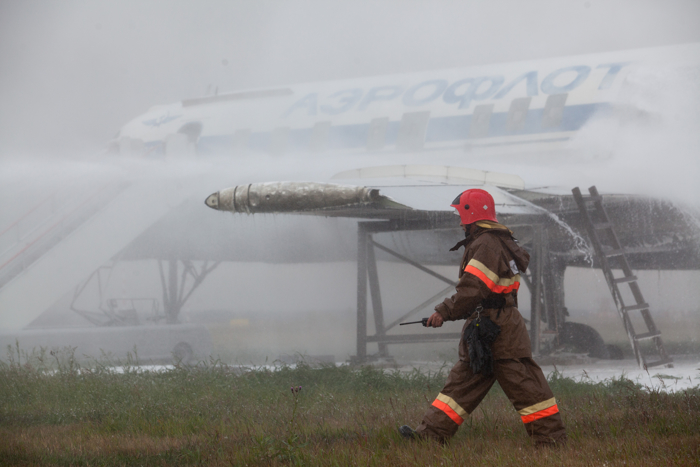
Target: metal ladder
(601, 228)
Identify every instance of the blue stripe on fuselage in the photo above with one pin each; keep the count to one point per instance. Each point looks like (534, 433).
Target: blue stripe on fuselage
(439, 130)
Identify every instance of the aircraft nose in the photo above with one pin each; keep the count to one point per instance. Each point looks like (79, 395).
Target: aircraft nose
(212, 200)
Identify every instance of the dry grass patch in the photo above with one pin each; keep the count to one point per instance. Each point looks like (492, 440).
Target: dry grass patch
(212, 415)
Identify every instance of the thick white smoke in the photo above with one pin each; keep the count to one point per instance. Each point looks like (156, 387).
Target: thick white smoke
(649, 143)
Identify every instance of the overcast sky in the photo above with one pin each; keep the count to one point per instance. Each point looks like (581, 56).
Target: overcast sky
(73, 72)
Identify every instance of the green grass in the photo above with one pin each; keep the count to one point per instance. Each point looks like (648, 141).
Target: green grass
(54, 413)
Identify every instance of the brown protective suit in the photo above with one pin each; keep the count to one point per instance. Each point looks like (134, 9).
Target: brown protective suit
(490, 271)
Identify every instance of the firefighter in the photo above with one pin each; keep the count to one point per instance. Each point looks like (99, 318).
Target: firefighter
(495, 345)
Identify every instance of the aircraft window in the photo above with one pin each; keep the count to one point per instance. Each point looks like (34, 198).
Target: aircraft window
(240, 141)
(553, 110)
(237, 96)
(319, 136)
(517, 114)
(481, 121)
(376, 136)
(279, 140)
(411, 134)
(192, 130)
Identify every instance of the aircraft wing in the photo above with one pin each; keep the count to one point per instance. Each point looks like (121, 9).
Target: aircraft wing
(418, 196)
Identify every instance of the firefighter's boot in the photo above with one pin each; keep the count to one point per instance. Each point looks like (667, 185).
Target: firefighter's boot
(408, 433)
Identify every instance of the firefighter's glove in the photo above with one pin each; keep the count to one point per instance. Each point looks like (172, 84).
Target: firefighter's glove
(435, 320)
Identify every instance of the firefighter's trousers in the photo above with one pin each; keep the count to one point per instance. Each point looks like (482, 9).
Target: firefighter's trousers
(523, 382)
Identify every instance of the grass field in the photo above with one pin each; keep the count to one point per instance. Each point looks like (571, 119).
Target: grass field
(54, 413)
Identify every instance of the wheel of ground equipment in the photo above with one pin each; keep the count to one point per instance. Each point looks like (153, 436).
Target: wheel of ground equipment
(182, 353)
(579, 338)
(615, 352)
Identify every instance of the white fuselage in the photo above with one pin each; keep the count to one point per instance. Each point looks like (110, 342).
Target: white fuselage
(501, 109)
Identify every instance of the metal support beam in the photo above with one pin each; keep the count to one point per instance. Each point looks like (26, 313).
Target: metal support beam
(415, 338)
(367, 272)
(554, 293)
(377, 309)
(536, 289)
(175, 291)
(414, 264)
(422, 306)
(170, 293)
(362, 240)
(176, 288)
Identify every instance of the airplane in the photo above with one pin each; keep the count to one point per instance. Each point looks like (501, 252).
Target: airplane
(439, 128)
(389, 153)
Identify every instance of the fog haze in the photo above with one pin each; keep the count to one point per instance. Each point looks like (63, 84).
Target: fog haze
(73, 72)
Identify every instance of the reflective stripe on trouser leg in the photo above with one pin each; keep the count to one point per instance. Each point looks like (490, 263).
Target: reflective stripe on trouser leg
(466, 390)
(451, 408)
(526, 386)
(539, 410)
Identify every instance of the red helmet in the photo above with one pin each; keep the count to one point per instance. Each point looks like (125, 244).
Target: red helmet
(475, 205)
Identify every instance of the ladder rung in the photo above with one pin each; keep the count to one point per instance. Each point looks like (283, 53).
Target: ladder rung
(647, 335)
(639, 306)
(603, 225)
(621, 280)
(664, 361)
(612, 252)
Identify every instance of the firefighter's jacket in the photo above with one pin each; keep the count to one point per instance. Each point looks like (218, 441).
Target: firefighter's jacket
(489, 272)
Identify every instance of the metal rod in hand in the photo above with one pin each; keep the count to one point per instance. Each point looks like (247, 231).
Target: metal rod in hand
(424, 322)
